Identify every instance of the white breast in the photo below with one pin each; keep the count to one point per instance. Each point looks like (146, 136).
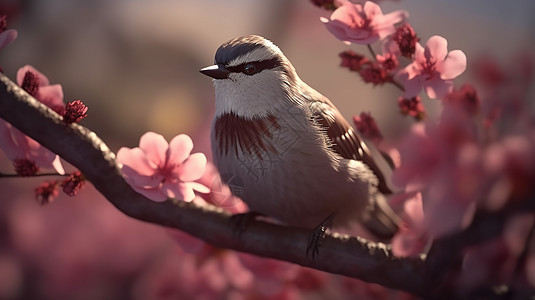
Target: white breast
(297, 180)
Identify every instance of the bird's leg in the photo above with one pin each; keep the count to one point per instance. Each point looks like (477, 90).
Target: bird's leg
(240, 222)
(318, 235)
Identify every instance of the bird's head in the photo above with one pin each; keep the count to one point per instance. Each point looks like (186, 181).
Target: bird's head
(252, 77)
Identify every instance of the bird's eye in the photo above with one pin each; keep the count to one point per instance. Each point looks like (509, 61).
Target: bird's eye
(249, 69)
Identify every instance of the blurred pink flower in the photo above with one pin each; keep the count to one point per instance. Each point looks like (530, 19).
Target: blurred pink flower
(7, 36)
(412, 107)
(443, 161)
(352, 60)
(465, 98)
(17, 145)
(42, 90)
(367, 126)
(362, 24)
(411, 238)
(389, 58)
(487, 71)
(73, 184)
(374, 73)
(46, 192)
(221, 194)
(419, 157)
(159, 170)
(433, 69)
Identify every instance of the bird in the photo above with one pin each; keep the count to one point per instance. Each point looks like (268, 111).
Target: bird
(287, 150)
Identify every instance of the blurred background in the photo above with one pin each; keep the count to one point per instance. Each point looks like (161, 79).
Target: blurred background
(135, 65)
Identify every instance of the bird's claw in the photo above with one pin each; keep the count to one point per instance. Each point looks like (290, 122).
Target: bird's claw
(318, 236)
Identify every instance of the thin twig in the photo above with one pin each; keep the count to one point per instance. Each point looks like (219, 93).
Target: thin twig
(372, 52)
(3, 175)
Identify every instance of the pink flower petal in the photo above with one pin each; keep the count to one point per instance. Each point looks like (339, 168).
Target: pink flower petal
(405, 244)
(390, 47)
(17, 145)
(437, 88)
(43, 80)
(153, 194)
(384, 25)
(56, 164)
(179, 149)
(201, 188)
(419, 53)
(136, 160)
(45, 159)
(137, 169)
(454, 65)
(336, 28)
(414, 210)
(51, 95)
(7, 37)
(155, 148)
(178, 190)
(412, 85)
(436, 48)
(372, 10)
(191, 169)
(7, 143)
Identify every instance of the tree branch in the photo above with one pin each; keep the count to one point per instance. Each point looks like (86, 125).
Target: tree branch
(353, 257)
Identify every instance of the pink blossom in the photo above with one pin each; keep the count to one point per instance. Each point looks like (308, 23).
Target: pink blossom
(444, 162)
(362, 24)
(465, 98)
(412, 107)
(420, 156)
(159, 170)
(433, 69)
(389, 58)
(7, 36)
(50, 95)
(17, 145)
(221, 194)
(411, 238)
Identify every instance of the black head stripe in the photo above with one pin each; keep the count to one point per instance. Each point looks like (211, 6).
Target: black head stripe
(258, 65)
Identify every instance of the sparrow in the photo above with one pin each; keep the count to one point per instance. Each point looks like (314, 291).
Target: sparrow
(286, 150)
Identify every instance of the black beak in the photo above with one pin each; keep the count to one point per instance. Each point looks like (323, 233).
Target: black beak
(216, 71)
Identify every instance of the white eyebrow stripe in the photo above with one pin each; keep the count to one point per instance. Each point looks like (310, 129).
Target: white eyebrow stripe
(255, 55)
(258, 54)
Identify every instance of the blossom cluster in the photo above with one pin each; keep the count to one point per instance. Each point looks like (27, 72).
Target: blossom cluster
(27, 155)
(477, 156)
(403, 61)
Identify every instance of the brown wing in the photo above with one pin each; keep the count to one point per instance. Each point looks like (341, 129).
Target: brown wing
(346, 142)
